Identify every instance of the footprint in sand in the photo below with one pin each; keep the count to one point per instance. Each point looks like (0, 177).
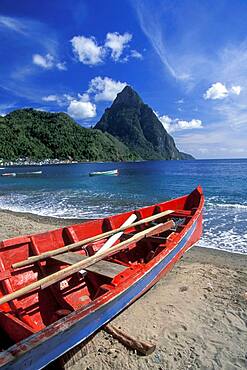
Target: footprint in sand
(172, 335)
(184, 327)
(183, 288)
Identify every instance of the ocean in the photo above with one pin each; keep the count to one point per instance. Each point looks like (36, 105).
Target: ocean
(68, 191)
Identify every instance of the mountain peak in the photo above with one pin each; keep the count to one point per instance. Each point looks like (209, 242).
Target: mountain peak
(128, 97)
(135, 124)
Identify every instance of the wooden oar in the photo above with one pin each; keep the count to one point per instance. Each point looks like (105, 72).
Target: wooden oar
(69, 247)
(62, 274)
(157, 229)
(112, 240)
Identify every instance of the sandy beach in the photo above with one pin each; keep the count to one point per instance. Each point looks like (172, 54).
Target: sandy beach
(196, 314)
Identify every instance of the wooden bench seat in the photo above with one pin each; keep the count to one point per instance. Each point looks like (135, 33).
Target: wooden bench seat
(105, 268)
(182, 213)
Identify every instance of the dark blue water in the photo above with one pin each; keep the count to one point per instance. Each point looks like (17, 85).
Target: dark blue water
(68, 191)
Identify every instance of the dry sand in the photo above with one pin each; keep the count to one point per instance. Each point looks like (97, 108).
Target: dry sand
(196, 314)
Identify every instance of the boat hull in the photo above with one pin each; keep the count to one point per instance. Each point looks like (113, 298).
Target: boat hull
(50, 343)
(22, 174)
(105, 173)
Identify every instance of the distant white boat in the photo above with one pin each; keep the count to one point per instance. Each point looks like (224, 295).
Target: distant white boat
(105, 173)
(22, 173)
(8, 174)
(2, 168)
(28, 173)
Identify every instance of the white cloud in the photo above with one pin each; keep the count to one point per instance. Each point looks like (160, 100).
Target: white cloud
(216, 91)
(184, 125)
(220, 91)
(236, 90)
(61, 100)
(81, 109)
(68, 97)
(117, 43)
(61, 66)
(84, 97)
(152, 26)
(48, 62)
(80, 106)
(105, 88)
(51, 98)
(13, 24)
(172, 125)
(45, 62)
(87, 50)
(100, 89)
(135, 54)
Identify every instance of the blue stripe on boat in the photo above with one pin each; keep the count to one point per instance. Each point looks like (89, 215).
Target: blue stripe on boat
(54, 347)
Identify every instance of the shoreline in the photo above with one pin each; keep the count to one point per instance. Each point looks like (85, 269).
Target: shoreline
(55, 222)
(6, 165)
(45, 219)
(41, 164)
(22, 223)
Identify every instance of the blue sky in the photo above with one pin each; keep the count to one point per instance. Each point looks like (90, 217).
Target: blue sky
(187, 60)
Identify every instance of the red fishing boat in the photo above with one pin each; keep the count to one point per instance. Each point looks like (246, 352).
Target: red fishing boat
(57, 288)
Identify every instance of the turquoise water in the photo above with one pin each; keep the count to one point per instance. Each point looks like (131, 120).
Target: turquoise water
(68, 191)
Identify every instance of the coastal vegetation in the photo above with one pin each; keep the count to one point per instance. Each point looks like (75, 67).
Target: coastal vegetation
(40, 135)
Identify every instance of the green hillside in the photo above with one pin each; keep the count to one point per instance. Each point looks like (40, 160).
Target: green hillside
(41, 135)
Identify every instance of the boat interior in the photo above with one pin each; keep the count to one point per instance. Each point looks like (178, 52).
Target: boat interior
(32, 312)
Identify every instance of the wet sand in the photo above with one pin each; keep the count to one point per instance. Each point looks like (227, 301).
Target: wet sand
(196, 315)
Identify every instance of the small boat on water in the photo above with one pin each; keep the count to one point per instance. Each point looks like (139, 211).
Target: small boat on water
(57, 288)
(8, 174)
(22, 174)
(105, 173)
